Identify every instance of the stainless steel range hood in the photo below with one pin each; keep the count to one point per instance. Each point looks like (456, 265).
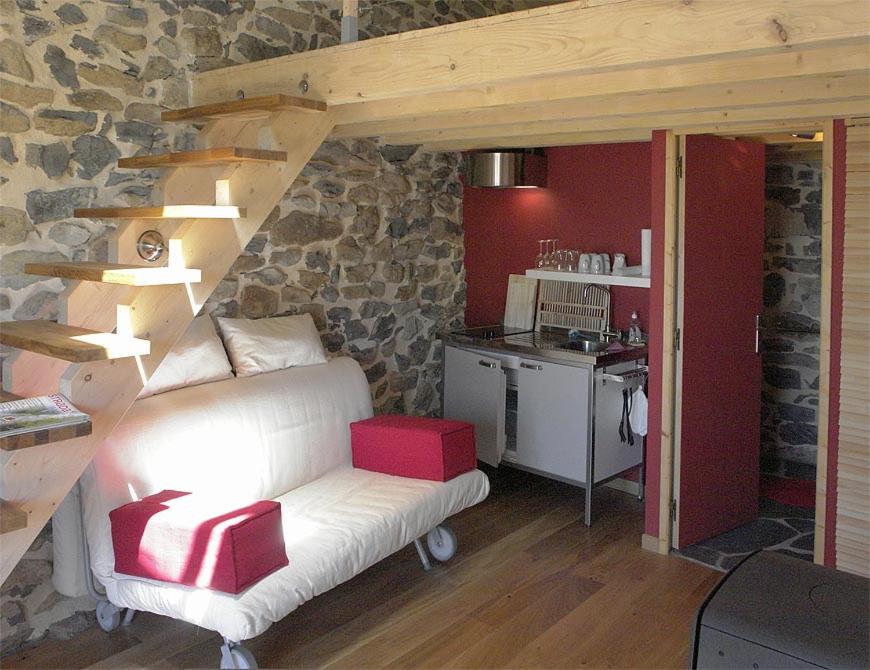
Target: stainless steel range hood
(506, 169)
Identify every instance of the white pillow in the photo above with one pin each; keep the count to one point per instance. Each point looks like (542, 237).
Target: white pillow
(198, 357)
(263, 345)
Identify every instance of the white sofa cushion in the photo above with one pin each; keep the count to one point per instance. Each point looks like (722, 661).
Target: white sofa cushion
(263, 345)
(197, 358)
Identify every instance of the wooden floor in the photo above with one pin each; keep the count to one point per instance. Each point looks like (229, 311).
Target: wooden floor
(531, 587)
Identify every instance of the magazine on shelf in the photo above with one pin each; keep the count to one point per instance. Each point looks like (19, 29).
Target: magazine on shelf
(31, 414)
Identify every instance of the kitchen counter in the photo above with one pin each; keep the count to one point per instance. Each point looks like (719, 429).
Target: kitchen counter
(546, 346)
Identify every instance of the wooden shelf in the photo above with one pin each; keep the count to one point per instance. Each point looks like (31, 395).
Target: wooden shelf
(110, 273)
(245, 108)
(164, 212)
(203, 157)
(12, 517)
(636, 281)
(70, 343)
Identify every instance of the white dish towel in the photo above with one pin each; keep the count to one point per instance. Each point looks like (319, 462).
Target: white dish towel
(638, 415)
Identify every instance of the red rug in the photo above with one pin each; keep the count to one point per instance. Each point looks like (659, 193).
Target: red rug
(797, 492)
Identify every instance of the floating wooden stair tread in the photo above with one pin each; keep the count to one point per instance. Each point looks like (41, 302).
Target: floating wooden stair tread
(70, 343)
(111, 273)
(203, 157)
(248, 107)
(12, 517)
(165, 212)
(42, 436)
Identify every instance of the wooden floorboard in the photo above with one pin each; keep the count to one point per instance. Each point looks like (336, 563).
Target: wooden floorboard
(531, 587)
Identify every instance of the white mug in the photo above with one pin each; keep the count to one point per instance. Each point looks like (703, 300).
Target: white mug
(597, 264)
(585, 263)
(618, 262)
(606, 259)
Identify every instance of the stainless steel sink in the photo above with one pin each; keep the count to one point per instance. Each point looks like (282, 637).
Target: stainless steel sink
(587, 345)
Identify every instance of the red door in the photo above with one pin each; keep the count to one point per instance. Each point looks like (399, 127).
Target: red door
(720, 429)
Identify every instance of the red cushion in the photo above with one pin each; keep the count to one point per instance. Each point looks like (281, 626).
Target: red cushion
(410, 446)
(181, 538)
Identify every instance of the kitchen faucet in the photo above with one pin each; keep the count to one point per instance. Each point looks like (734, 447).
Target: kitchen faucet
(607, 332)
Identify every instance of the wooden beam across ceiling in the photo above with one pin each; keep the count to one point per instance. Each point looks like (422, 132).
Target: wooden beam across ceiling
(763, 68)
(792, 90)
(569, 38)
(583, 71)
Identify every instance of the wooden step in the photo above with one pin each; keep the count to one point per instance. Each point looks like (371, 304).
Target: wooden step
(111, 273)
(12, 517)
(245, 108)
(44, 436)
(164, 212)
(70, 343)
(203, 157)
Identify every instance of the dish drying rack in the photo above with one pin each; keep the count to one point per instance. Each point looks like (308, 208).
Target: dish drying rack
(561, 305)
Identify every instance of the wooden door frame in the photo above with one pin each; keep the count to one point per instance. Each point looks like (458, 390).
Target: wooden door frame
(825, 311)
(671, 395)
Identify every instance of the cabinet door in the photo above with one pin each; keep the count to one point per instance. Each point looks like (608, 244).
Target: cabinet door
(553, 418)
(612, 455)
(474, 391)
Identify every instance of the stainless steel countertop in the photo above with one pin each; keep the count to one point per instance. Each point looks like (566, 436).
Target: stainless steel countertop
(545, 346)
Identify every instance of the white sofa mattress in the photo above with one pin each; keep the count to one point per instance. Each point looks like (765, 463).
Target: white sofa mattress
(283, 435)
(334, 528)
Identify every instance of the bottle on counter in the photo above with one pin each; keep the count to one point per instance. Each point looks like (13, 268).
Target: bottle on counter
(635, 335)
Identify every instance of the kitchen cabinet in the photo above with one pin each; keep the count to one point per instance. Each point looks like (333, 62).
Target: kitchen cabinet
(552, 418)
(477, 395)
(556, 419)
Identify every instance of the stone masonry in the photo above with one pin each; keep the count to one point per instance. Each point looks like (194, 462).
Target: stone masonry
(792, 290)
(368, 240)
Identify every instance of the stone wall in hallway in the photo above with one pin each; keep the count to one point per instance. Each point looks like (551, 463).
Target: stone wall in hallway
(792, 290)
(368, 239)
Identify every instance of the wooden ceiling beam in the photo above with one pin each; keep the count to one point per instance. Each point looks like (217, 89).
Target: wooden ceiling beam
(710, 120)
(807, 62)
(570, 38)
(628, 135)
(791, 90)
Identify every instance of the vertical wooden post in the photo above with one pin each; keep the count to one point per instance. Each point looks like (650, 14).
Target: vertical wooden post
(349, 21)
(824, 341)
(666, 471)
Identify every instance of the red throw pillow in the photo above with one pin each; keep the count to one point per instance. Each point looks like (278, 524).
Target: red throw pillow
(411, 446)
(179, 537)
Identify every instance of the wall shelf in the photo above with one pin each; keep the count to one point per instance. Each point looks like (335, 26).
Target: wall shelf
(636, 281)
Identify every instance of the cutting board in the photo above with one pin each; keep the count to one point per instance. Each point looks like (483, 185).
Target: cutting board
(519, 308)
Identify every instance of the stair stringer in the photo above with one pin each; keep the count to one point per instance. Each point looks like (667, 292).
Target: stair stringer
(38, 479)
(92, 305)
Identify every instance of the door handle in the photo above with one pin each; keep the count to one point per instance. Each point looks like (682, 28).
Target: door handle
(758, 333)
(529, 366)
(487, 364)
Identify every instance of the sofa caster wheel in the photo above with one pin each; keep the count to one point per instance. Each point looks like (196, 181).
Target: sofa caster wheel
(108, 616)
(236, 656)
(442, 543)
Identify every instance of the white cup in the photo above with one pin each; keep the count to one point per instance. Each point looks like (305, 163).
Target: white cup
(606, 259)
(597, 264)
(585, 263)
(618, 262)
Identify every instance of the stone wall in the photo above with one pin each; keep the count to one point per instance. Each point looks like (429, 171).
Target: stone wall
(368, 239)
(792, 290)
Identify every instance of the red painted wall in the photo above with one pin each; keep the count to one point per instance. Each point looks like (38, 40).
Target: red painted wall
(838, 229)
(597, 199)
(656, 321)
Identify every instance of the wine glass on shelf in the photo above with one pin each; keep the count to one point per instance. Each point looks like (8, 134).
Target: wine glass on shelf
(551, 255)
(541, 258)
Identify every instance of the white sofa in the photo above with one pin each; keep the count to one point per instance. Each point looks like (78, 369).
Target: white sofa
(282, 435)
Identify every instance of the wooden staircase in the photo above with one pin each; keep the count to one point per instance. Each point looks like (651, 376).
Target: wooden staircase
(119, 319)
